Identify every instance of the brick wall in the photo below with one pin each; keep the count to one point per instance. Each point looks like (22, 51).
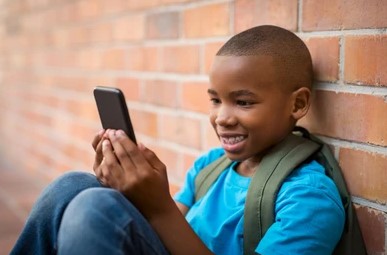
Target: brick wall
(53, 52)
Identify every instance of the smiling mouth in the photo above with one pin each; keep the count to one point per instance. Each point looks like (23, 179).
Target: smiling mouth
(232, 140)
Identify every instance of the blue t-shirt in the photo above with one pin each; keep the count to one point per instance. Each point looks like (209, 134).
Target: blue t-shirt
(309, 216)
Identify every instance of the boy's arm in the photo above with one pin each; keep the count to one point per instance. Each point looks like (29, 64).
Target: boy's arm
(177, 235)
(137, 173)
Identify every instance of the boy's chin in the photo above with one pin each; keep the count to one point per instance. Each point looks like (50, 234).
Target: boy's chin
(235, 157)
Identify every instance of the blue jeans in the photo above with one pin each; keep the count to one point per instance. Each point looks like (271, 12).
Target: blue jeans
(76, 215)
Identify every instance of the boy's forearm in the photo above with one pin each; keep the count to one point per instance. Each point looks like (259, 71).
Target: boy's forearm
(176, 234)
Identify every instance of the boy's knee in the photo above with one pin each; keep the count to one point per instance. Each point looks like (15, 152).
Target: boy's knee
(71, 183)
(63, 189)
(94, 208)
(74, 178)
(97, 198)
(94, 202)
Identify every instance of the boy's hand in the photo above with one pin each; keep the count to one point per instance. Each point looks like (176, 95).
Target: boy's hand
(136, 172)
(97, 146)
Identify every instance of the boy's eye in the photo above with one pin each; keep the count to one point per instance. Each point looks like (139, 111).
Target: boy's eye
(243, 103)
(214, 100)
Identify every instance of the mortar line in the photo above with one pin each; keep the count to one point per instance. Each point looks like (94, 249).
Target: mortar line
(353, 89)
(299, 17)
(378, 149)
(373, 205)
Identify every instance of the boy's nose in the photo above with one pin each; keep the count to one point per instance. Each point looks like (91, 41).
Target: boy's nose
(225, 117)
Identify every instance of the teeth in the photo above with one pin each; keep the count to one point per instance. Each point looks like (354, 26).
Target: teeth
(233, 140)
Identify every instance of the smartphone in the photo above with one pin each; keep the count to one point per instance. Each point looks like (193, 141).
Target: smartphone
(113, 111)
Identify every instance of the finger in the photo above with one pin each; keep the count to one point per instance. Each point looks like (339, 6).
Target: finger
(132, 150)
(99, 175)
(97, 138)
(98, 155)
(106, 134)
(103, 170)
(120, 152)
(112, 169)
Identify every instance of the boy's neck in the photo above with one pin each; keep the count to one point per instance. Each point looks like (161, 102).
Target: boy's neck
(247, 168)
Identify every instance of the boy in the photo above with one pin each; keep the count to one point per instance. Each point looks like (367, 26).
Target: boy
(260, 86)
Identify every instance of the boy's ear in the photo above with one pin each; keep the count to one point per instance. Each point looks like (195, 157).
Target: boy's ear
(301, 102)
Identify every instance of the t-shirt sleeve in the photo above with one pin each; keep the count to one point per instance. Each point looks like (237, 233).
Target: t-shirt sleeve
(186, 195)
(309, 216)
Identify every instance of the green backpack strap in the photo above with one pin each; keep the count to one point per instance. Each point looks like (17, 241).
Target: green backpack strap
(207, 176)
(261, 196)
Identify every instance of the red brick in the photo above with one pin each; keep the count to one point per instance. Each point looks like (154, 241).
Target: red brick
(188, 161)
(160, 92)
(130, 87)
(144, 122)
(365, 60)
(163, 25)
(114, 59)
(355, 117)
(49, 100)
(181, 130)
(136, 58)
(83, 109)
(90, 59)
(194, 96)
(342, 14)
(78, 35)
(174, 1)
(101, 32)
(144, 58)
(372, 225)
(181, 59)
(244, 15)
(152, 58)
(171, 158)
(68, 13)
(59, 38)
(48, 59)
(139, 5)
(210, 50)
(113, 6)
(325, 56)
(129, 28)
(87, 10)
(79, 131)
(86, 85)
(208, 20)
(37, 117)
(250, 13)
(71, 150)
(361, 168)
(211, 139)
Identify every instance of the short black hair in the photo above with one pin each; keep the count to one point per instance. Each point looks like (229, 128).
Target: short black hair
(290, 54)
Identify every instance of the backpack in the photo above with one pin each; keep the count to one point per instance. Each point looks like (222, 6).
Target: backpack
(280, 161)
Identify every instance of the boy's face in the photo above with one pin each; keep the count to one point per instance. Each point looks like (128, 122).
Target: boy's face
(250, 112)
